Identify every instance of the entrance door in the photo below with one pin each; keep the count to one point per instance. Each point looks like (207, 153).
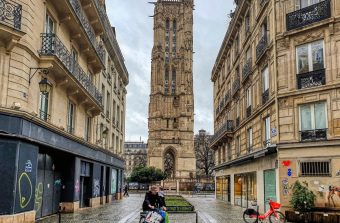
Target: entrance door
(102, 187)
(85, 191)
(269, 187)
(107, 183)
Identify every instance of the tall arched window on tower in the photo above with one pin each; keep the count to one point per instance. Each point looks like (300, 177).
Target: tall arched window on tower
(174, 38)
(167, 40)
(173, 83)
(166, 78)
(169, 164)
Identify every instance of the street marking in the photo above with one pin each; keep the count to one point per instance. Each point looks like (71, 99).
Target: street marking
(206, 217)
(130, 218)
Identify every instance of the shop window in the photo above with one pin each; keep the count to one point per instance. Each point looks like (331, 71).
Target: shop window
(315, 168)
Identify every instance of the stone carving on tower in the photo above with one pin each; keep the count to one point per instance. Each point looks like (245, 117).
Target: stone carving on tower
(171, 108)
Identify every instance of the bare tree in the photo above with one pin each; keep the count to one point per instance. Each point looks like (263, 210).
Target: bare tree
(140, 159)
(205, 159)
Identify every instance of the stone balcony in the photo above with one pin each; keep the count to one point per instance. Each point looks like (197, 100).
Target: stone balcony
(223, 133)
(68, 72)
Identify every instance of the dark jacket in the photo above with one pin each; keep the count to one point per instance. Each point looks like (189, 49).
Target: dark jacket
(154, 200)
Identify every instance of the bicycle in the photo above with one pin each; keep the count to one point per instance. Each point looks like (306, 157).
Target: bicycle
(252, 216)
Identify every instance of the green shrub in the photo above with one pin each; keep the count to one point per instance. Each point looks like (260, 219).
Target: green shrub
(146, 175)
(302, 198)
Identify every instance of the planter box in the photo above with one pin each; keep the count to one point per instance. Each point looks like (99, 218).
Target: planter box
(325, 217)
(312, 217)
(293, 216)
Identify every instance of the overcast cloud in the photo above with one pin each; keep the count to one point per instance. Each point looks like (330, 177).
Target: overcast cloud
(134, 30)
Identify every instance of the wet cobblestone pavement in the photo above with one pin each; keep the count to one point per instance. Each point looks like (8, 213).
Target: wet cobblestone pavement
(127, 211)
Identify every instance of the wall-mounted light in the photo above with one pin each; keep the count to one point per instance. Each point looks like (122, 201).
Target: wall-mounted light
(45, 86)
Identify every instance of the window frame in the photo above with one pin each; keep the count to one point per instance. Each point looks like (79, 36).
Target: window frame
(267, 129)
(265, 79)
(310, 56)
(71, 123)
(312, 107)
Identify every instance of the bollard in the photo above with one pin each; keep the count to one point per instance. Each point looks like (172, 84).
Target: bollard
(59, 212)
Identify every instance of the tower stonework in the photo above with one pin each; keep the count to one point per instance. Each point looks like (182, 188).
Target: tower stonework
(171, 108)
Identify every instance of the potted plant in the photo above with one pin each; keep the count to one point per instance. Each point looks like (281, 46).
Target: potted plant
(302, 202)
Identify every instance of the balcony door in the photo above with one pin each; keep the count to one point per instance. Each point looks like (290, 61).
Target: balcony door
(305, 3)
(49, 32)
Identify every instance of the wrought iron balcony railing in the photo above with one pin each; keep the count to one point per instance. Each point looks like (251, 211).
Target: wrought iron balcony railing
(10, 13)
(265, 96)
(237, 122)
(236, 86)
(78, 10)
(44, 115)
(266, 143)
(227, 98)
(248, 111)
(311, 79)
(52, 46)
(313, 135)
(308, 15)
(247, 69)
(226, 127)
(261, 46)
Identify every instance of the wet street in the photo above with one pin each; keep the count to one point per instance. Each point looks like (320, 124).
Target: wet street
(208, 209)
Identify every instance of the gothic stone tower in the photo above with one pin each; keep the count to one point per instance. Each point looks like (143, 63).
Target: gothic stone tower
(171, 108)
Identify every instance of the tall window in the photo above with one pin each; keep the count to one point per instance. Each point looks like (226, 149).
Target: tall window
(305, 3)
(108, 105)
(49, 24)
(173, 85)
(237, 46)
(167, 40)
(248, 54)
(88, 126)
(264, 29)
(166, 87)
(247, 23)
(313, 116)
(265, 79)
(267, 131)
(250, 140)
(114, 111)
(249, 97)
(103, 94)
(238, 146)
(174, 37)
(74, 54)
(44, 106)
(310, 57)
(71, 117)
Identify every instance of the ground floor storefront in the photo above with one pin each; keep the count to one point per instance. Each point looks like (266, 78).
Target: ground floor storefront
(241, 184)
(44, 170)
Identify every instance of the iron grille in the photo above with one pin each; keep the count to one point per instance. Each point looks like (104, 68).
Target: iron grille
(266, 143)
(44, 115)
(236, 86)
(52, 46)
(10, 14)
(308, 15)
(261, 46)
(315, 168)
(313, 135)
(90, 33)
(227, 127)
(247, 69)
(311, 79)
(265, 96)
(248, 111)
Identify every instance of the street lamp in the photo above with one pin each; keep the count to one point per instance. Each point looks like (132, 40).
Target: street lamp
(45, 86)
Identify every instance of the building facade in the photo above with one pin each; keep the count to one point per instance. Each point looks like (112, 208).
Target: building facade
(171, 108)
(135, 155)
(275, 73)
(53, 57)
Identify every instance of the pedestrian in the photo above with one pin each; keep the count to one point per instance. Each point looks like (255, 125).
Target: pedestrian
(153, 201)
(126, 190)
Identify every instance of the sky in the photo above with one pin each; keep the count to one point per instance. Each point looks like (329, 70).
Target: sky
(134, 31)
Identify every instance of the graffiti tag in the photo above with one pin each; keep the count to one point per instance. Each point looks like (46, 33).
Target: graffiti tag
(96, 188)
(77, 187)
(57, 182)
(38, 196)
(25, 190)
(338, 173)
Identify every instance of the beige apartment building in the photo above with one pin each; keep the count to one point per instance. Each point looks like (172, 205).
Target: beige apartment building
(275, 100)
(135, 155)
(62, 108)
